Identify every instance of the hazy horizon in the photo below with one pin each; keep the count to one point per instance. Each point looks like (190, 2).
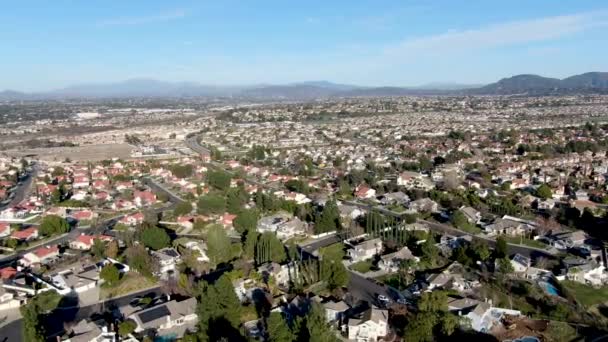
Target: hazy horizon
(55, 45)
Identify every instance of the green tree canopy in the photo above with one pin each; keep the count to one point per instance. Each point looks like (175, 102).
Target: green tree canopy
(269, 248)
(110, 274)
(182, 208)
(53, 225)
(155, 238)
(246, 220)
(544, 191)
(211, 204)
(218, 245)
(278, 329)
(220, 180)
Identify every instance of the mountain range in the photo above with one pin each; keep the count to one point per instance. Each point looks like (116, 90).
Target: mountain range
(591, 82)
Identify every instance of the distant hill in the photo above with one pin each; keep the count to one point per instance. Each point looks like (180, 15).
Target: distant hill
(538, 85)
(592, 82)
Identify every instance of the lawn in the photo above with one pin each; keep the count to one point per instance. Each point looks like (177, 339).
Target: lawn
(362, 266)
(585, 294)
(129, 283)
(527, 242)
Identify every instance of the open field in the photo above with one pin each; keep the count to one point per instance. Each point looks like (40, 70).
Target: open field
(78, 153)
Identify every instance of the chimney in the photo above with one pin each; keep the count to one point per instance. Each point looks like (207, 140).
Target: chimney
(604, 254)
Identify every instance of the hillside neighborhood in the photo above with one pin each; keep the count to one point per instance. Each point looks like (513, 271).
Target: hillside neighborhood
(478, 218)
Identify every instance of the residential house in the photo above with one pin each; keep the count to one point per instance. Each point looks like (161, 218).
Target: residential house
(424, 205)
(89, 331)
(483, 316)
(200, 247)
(27, 234)
(132, 219)
(39, 256)
(282, 274)
(372, 326)
(227, 220)
(168, 258)
(284, 225)
(505, 226)
(365, 192)
(472, 215)
(5, 229)
(76, 280)
(84, 242)
(166, 316)
(415, 180)
(143, 198)
(392, 261)
(365, 250)
(349, 211)
(334, 311)
(570, 239)
(394, 198)
(83, 215)
(587, 272)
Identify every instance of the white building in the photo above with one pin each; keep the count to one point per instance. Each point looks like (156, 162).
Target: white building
(371, 327)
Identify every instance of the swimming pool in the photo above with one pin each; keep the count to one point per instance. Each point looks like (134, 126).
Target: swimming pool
(549, 288)
(166, 338)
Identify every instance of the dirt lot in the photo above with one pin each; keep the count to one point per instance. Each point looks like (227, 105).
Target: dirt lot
(79, 153)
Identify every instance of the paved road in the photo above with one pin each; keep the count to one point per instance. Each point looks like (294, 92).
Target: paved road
(530, 252)
(23, 190)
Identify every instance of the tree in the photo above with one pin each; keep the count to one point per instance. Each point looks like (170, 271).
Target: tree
(329, 219)
(269, 248)
(98, 249)
(218, 245)
(544, 191)
(430, 252)
(334, 273)
(155, 238)
(235, 199)
(182, 208)
(317, 328)
(480, 250)
(111, 249)
(53, 225)
(278, 329)
(433, 319)
(246, 220)
(139, 259)
(218, 311)
(182, 171)
(460, 220)
(433, 301)
(34, 314)
(211, 204)
(110, 274)
(127, 327)
(501, 247)
(219, 180)
(504, 266)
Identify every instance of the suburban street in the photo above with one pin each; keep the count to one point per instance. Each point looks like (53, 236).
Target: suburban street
(23, 189)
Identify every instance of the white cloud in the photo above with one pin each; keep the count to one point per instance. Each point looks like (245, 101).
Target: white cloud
(147, 19)
(500, 35)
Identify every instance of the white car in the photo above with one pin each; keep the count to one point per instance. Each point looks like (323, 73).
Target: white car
(383, 298)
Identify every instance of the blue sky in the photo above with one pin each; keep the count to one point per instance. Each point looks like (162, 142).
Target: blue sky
(52, 44)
